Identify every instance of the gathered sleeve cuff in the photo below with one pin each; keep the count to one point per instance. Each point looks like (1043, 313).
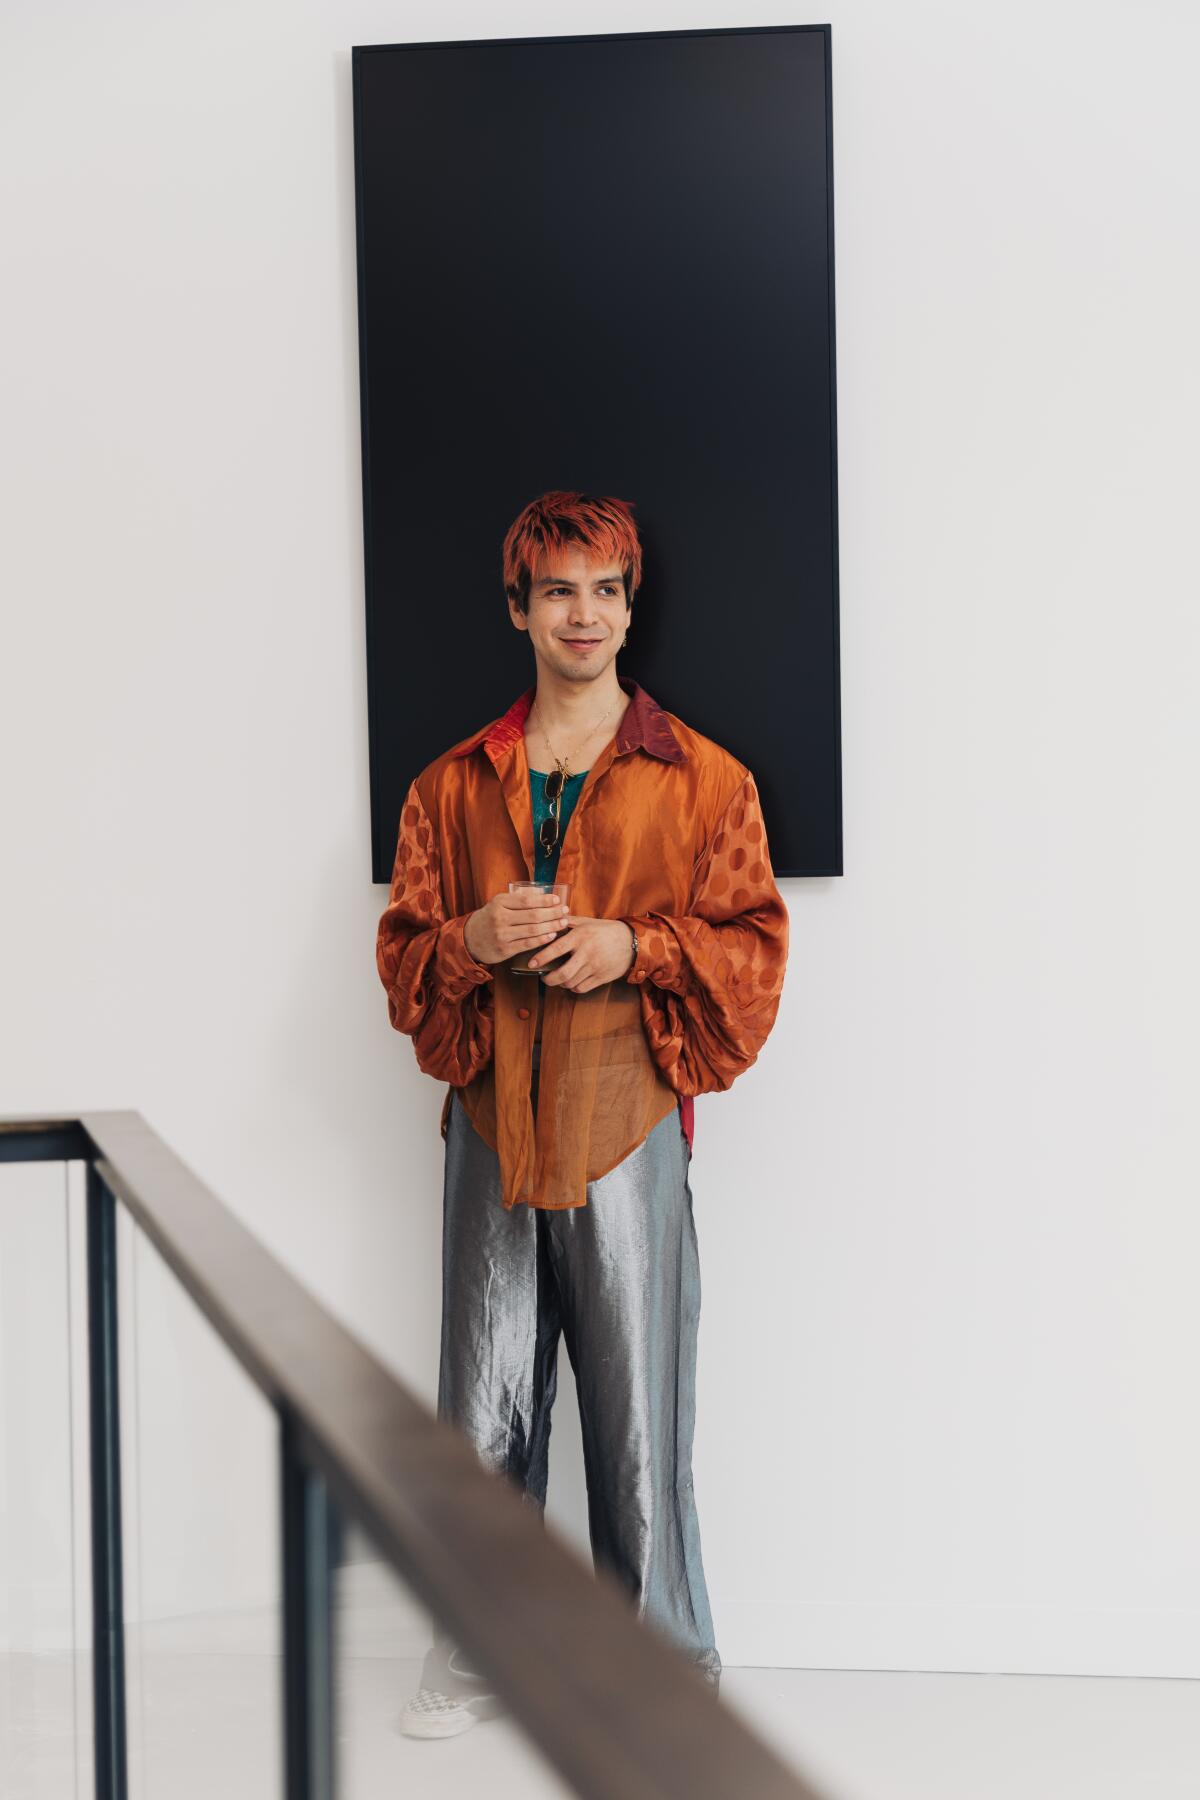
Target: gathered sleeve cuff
(437, 993)
(710, 980)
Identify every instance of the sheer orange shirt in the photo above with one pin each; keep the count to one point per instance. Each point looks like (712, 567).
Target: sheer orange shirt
(668, 835)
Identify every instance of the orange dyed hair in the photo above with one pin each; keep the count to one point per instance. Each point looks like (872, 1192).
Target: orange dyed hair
(598, 524)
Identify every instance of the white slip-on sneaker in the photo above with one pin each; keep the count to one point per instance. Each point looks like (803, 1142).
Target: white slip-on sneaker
(432, 1714)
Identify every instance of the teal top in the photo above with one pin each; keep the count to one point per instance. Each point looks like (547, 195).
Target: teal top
(545, 862)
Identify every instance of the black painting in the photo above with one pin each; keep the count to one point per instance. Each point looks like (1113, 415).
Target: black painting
(605, 263)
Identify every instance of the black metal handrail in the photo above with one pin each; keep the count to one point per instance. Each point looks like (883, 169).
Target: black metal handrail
(615, 1708)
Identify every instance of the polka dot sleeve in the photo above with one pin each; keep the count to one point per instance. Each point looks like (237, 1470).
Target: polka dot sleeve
(711, 981)
(437, 993)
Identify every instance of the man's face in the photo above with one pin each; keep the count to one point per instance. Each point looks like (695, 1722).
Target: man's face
(577, 615)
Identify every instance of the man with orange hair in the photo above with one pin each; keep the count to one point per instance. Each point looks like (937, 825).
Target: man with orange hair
(568, 1121)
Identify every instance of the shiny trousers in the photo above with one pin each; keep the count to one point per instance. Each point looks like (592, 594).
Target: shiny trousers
(619, 1280)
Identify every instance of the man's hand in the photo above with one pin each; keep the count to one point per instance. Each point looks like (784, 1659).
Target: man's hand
(599, 950)
(512, 922)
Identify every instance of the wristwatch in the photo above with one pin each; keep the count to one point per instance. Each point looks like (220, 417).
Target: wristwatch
(634, 957)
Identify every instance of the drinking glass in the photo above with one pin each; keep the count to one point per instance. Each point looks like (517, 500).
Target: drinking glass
(519, 963)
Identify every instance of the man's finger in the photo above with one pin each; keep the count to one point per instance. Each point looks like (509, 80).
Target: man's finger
(563, 974)
(563, 942)
(531, 940)
(521, 924)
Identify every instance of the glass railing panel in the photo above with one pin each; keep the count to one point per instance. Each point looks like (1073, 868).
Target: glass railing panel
(202, 1554)
(386, 1645)
(45, 1563)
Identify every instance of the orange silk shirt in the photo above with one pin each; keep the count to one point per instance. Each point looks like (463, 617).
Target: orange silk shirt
(667, 834)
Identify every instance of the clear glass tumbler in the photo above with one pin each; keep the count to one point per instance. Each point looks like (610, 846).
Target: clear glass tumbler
(519, 963)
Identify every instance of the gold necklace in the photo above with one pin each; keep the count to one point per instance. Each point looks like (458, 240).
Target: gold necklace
(561, 763)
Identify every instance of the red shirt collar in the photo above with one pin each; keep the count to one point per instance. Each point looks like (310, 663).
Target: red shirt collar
(644, 726)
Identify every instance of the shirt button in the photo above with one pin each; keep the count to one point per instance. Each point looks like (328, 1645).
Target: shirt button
(522, 1012)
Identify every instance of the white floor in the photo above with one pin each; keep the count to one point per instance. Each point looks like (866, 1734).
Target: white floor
(209, 1728)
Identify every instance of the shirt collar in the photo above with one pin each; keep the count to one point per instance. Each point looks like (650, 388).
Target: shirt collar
(644, 726)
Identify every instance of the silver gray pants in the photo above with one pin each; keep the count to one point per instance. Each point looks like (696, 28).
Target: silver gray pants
(619, 1279)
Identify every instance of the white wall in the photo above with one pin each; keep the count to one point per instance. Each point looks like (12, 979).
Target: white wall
(948, 1388)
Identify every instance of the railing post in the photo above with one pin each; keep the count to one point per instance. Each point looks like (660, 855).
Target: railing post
(108, 1610)
(307, 1625)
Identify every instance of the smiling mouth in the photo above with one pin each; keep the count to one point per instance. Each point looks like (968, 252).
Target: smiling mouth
(581, 643)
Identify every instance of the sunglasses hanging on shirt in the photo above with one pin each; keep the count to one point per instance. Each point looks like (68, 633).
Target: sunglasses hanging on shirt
(548, 830)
